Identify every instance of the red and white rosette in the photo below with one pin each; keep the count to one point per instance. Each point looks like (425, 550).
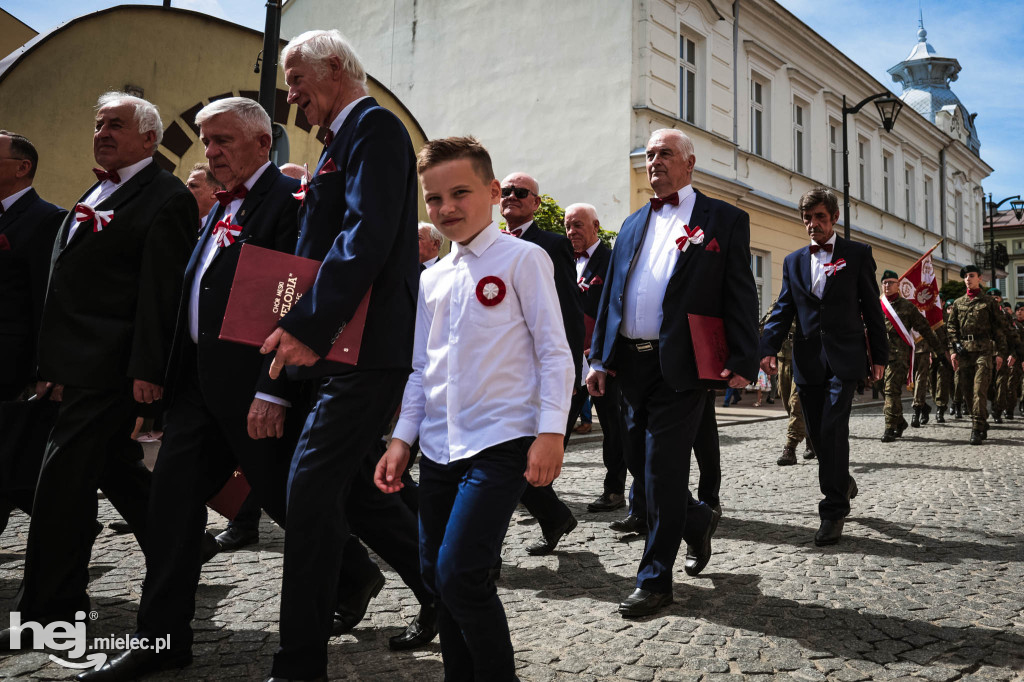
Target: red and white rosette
(694, 236)
(834, 267)
(224, 233)
(583, 284)
(304, 184)
(490, 290)
(85, 213)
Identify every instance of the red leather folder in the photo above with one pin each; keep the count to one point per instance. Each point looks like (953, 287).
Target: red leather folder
(709, 345)
(230, 498)
(267, 283)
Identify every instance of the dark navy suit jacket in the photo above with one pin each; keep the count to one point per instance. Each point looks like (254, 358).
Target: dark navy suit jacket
(360, 220)
(230, 374)
(559, 249)
(590, 298)
(716, 283)
(27, 232)
(829, 329)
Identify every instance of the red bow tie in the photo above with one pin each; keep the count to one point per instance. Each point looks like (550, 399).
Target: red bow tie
(672, 199)
(581, 254)
(226, 196)
(518, 232)
(328, 138)
(102, 175)
(827, 248)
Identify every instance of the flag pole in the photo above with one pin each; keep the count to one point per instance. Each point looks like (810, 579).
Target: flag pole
(923, 256)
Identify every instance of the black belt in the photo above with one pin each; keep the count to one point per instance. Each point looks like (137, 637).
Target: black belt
(639, 345)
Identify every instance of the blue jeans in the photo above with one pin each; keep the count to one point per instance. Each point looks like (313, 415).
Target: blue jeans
(730, 393)
(465, 509)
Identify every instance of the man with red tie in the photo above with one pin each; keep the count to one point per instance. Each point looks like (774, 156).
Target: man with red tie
(683, 253)
(520, 199)
(829, 287)
(105, 336)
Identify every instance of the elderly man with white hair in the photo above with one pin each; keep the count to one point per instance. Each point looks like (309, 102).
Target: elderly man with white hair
(105, 339)
(359, 219)
(430, 240)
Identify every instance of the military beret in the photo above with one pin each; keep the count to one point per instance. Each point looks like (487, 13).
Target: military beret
(949, 302)
(993, 291)
(1006, 304)
(889, 274)
(969, 268)
(1019, 306)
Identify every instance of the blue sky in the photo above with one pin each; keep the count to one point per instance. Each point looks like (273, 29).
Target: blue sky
(983, 36)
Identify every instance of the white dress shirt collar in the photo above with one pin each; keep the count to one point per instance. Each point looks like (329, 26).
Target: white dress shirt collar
(478, 244)
(9, 201)
(343, 114)
(831, 240)
(128, 172)
(522, 228)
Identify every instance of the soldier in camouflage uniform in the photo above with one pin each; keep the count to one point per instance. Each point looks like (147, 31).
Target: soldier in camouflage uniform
(1006, 391)
(1018, 383)
(975, 336)
(795, 432)
(900, 353)
(942, 372)
(922, 371)
(1001, 378)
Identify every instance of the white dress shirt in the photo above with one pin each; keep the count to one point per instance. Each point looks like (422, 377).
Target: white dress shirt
(106, 188)
(645, 287)
(9, 201)
(483, 375)
(430, 261)
(581, 262)
(818, 262)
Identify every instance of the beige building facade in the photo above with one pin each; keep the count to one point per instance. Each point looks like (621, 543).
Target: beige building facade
(570, 91)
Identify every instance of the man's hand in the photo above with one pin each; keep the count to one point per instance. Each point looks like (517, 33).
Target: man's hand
(877, 372)
(735, 380)
(999, 362)
(953, 361)
(1011, 361)
(146, 392)
(56, 390)
(769, 364)
(392, 464)
(544, 460)
(595, 382)
(266, 419)
(290, 351)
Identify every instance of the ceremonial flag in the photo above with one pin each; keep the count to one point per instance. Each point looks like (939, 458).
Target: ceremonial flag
(920, 286)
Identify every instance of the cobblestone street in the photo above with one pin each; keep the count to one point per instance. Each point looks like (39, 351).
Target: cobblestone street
(926, 582)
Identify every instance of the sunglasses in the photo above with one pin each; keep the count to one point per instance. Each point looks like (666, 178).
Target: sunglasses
(520, 192)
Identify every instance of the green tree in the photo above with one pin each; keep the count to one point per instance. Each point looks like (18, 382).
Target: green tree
(550, 217)
(953, 288)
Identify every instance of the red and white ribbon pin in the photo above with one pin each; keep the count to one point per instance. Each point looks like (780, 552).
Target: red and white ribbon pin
(85, 213)
(834, 267)
(224, 232)
(304, 183)
(694, 236)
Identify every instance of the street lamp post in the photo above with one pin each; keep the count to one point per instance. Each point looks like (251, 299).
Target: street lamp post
(1018, 210)
(888, 108)
(271, 38)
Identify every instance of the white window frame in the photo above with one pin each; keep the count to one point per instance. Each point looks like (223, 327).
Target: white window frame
(835, 151)
(909, 198)
(958, 203)
(888, 182)
(686, 68)
(760, 115)
(863, 169)
(929, 223)
(762, 282)
(1020, 282)
(801, 136)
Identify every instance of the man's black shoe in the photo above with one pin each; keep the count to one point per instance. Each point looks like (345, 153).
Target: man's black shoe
(925, 411)
(630, 524)
(1009, 414)
(809, 452)
(696, 562)
(210, 547)
(26, 642)
(939, 412)
(958, 411)
(852, 491)
(548, 544)
(888, 436)
(984, 433)
(788, 456)
(997, 418)
(901, 427)
(829, 532)
(976, 438)
(235, 538)
(644, 603)
(420, 631)
(135, 663)
(352, 607)
(119, 527)
(607, 502)
(915, 421)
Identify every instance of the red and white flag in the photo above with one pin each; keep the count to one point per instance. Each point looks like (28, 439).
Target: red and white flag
(920, 286)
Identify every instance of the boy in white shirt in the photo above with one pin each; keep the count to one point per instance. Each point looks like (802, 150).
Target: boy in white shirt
(488, 398)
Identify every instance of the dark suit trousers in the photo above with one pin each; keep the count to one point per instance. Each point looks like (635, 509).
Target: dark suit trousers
(613, 427)
(465, 509)
(89, 448)
(826, 409)
(666, 421)
(350, 413)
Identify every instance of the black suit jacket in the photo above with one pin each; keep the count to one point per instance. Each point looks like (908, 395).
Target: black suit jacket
(360, 220)
(113, 295)
(27, 232)
(559, 248)
(712, 278)
(830, 329)
(230, 373)
(590, 296)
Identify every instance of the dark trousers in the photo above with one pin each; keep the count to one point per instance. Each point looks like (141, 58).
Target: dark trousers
(89, 448)
(465, 509)
(543, 504)
(248, 516)
(707, 452)
(613, 427)
(667, 422)
(350, 413)
(826, 410)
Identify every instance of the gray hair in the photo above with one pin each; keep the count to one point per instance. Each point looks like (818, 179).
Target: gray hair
(682, 141)
(254, 118)
(590, 209)
(435, 234)
(316, 47)
(146, 113)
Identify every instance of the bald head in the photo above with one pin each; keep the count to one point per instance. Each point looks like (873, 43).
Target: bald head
(581, 226)
(293, 170)
(670, 161)
(518, 210)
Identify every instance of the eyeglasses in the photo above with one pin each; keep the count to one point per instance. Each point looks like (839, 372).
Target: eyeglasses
(11, 158)
(520, 192)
